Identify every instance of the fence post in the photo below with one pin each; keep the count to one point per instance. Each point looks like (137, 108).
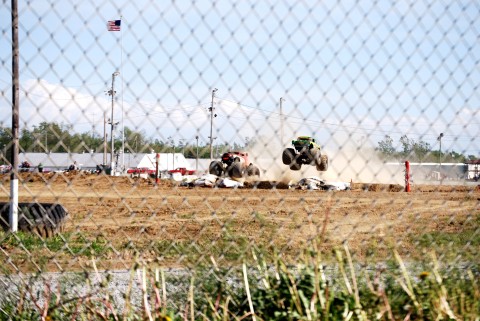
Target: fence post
(407, 176)
(157, 160)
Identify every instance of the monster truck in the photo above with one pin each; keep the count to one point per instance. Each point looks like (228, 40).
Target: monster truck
(304, 152)
(235, 165)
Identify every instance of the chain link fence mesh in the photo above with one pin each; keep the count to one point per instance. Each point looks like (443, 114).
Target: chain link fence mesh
(114, 96)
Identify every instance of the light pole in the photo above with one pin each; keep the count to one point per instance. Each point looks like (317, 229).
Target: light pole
(281, 120)
(440, 156)
(173, 157)
(111, 92)
(104, 138)
(440, 149)
(196, 163)
(46, 140)
(211, 124)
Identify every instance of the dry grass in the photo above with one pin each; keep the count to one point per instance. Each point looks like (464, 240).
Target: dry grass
(181, 226)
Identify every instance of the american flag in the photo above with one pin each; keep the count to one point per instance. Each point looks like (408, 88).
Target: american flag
(114, 25)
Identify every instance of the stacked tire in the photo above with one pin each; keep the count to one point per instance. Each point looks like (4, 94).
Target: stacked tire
(43, 219)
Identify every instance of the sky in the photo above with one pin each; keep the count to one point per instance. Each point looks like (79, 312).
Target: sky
(349, 72)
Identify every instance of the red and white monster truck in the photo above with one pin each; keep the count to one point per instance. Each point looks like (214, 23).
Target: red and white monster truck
(235, 165)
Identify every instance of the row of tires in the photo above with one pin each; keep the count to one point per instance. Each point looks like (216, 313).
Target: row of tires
(43, 219)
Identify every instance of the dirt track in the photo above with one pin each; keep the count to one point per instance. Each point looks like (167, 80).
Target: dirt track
(134, 217)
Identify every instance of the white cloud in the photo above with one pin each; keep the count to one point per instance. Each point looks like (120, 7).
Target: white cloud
(41, 101)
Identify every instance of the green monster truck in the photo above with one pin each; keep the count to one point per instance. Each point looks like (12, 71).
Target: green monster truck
(305, 152)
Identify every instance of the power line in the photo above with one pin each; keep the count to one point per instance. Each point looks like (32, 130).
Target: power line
(103, 83)
(258, 111)
(303, 120)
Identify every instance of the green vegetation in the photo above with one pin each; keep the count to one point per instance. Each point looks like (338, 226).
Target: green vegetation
(268, 290)
(229, 249)
(455, 238)
(417, 151)
(59, 138)
(449, 244)
(68, 243)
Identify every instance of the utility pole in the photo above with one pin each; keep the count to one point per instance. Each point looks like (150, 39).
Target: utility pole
(211, 123)
(111, 92)
(281, 120)
(13, 213)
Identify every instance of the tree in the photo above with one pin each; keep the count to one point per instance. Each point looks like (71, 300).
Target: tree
(407, 145)
(5, 144)
(50, 137)
(420, 150)
(135, 142)
(385, 147)
(415, 151)
(26, 141)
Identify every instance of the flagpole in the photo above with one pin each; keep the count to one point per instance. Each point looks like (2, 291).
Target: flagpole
(116, 25)
(121, 68)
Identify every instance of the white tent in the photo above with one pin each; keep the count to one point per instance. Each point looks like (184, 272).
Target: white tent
(167, 161)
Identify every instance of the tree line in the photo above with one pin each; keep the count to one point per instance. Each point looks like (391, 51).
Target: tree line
(53, 137)
(58, 138)
(418, 151)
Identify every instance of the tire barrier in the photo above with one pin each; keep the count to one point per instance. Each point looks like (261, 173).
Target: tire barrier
(43, 219)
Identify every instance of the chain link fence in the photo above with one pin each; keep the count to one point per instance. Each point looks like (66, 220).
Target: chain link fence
(180, 157)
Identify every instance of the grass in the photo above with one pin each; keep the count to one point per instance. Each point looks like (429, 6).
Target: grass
(231, 248)
(74, 243)
(468, 238)
(454, 241)
(266, 289)
(20, 246)
(450, 245)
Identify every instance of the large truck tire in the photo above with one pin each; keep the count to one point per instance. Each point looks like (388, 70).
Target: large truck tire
(314, 157)
(253, 170)
(323, 164)
(216, 168)
(288, 156)
(43, 219)
(235, 170)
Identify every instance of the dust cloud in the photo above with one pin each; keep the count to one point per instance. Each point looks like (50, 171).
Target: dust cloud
(347, 163)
